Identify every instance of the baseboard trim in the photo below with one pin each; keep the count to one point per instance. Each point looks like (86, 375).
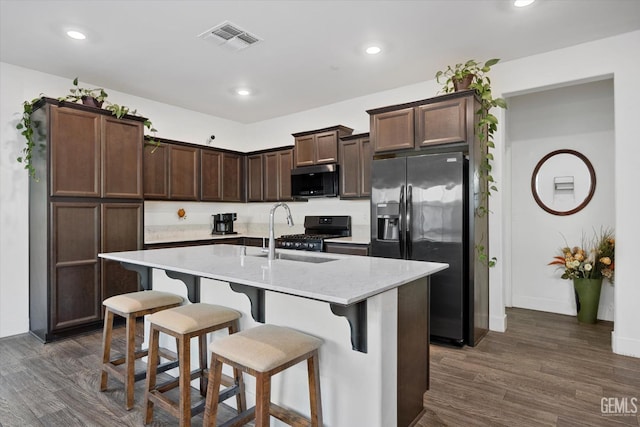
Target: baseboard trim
(498, 323)
(625, 346)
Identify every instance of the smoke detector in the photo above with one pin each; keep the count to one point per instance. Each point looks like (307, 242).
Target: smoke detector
(230, 36)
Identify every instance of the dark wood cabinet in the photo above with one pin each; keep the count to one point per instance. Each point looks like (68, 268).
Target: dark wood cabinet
(420, 124)
(277, 175)
(221, 176)
(346, 248)
(255, 172)
(184, 172)
(318, 146)
(75, 276)
(75, 148)
(393, 130)
(121, 158)
(232, 177)
(269, 175)
(156, 171)
(355, 166)
(441, 123)
(211, 176)
(88, 199)
(120, 230)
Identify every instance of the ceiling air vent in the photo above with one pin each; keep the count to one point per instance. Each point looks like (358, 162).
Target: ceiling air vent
(230, 35)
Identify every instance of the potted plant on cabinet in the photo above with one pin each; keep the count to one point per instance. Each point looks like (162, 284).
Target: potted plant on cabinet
(91, 97)
(472, 75)
(587, 265)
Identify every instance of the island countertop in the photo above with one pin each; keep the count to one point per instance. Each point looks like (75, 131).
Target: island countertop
(344, 279)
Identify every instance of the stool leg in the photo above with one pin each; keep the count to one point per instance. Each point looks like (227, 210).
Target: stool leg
(130, 360)
(263, 399)
(213, 392)
(241, 402)
(314, 390)
(106, 346)
(202, 356)
(152, 367)
(184, 356)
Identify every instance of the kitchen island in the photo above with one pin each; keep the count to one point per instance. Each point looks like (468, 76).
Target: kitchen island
(372, 314)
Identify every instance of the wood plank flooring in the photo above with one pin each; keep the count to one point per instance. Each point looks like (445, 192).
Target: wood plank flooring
(546, 370)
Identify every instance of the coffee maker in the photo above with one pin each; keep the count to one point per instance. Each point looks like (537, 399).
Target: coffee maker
(223, 223)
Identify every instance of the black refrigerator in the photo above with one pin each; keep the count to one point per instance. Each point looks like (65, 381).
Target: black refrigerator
(419, 211)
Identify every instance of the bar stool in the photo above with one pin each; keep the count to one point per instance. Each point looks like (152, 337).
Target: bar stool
(183, 323)
(131, 306)
(264, 351)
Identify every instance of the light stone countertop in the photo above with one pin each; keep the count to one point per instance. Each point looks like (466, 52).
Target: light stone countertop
(346, 279)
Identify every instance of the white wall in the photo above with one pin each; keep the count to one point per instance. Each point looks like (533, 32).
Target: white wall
(606, 57)
(580, 118)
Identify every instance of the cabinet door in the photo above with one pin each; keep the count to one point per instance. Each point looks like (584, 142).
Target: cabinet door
(254, 177)
(232, 178)
(121, 158)
(183, 173)
(350, 168)
(366, 158)
(345, 248)
(305, 147)
(75, 153)
(327, 147)
(393, 130)
(75, 280)
(441, 123)
(271, 177)
(121, 230)
(211, 175)
(156, 171)
(285, 164)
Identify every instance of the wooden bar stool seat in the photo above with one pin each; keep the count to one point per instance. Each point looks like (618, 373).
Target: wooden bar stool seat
(264, 351)
(131, 306)
(183, 323)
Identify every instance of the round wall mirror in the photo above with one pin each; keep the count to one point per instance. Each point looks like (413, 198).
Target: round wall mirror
(563, 182)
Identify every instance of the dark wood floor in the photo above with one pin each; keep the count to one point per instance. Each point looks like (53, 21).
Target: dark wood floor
(546, 370)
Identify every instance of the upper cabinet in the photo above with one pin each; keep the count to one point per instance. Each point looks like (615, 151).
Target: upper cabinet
(222, 176)
(355, 166)
(269, 175)
(318, 146)
(184, 168)
(156, 170)
(440, 120)
(95, 155)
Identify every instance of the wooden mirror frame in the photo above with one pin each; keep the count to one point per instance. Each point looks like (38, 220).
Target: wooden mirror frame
(587, 199)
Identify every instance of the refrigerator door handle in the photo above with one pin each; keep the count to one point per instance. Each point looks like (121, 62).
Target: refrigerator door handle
(409, 209)
(401, 229)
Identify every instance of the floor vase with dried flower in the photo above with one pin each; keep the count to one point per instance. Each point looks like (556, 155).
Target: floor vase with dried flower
(587, 298)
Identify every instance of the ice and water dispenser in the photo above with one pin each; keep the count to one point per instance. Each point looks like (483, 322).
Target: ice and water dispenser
(388, 220)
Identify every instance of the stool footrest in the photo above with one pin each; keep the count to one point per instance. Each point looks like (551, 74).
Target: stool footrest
(163, 367)
(168, 385)
(288, 416)
(241, 419)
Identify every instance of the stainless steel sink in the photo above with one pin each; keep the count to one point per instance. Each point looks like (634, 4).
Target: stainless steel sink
(301, 258)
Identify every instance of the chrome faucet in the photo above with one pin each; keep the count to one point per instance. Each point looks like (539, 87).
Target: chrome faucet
(272, 238)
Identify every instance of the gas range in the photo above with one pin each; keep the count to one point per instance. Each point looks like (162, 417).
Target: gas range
(316, 230)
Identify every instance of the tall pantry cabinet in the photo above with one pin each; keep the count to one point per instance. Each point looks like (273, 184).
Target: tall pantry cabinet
(86, 199)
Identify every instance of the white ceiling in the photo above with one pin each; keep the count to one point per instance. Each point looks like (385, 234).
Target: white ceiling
(311, 54)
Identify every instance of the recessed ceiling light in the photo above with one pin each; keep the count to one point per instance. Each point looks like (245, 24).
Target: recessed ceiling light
(522, 3)
(373, 50)
(243, 92)
(77, 35)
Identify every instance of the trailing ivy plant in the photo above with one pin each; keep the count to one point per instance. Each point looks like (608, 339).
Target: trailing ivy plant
(486, 126)
(26, 125)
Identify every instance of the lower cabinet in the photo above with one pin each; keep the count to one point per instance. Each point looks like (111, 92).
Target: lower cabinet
(346, 248)
(72, 299)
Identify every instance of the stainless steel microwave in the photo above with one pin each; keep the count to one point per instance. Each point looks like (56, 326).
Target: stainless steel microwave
(315, 181)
